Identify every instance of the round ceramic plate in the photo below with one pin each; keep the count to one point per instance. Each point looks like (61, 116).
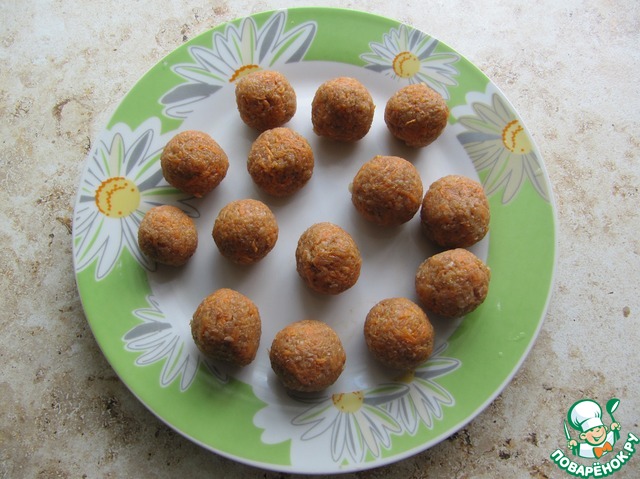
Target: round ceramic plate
(140, 311)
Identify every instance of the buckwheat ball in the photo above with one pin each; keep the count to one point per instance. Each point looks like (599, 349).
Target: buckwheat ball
(387, 190)
(452, 283)
(416, 114)
(193, 162)
(398, 333)
(280, 161)
(167, 235)
(455, 212)
(265, 99)
(245, 231)
(307, 356)
(227, 327)
(342, 109)
(328, 259)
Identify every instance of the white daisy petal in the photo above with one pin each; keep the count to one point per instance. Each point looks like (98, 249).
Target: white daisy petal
(485, 155)
(174, 365)
(246, 42)
(199, 76)
(137, 153)
(499, 173)
(354, 437)
(150, 178)
(294, 44)
(424, 50)
(383, 52)
(515, 178)
(322, 412)
(116, 156)
(85, 222)
(536, 175)
(376, 426)
(209, 61)
(130, 234)
(187, 373)
(225, 52)
(372, 59)
(339, 437)
(404, 412)
(155, 347)
(92, 243)
(476, 124)
(269, 36)
(488, 115)
(437, 366)
(504, 114)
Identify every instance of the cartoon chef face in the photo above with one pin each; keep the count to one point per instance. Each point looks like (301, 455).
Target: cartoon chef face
(595, 436)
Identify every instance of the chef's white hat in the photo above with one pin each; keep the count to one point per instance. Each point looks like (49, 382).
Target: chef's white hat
(585, 415)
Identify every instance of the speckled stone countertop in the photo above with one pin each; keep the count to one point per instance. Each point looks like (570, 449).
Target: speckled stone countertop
(571, 70)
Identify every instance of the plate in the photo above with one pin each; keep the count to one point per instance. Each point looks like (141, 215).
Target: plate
(139, 312)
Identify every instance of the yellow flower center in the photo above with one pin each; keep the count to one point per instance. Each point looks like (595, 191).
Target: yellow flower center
(117, 197)
(348, 402)
(406, 64)
(406, 377)
(515, 139)
(243, 71)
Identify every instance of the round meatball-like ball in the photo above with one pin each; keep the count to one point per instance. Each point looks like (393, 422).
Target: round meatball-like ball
(245, 231)
(227, 327)
(387, 190)
(167, 235)
(398, 333)
(265, 99)
(193, 162)
(280, 161)
(307, 356)
(452, 283)
(342, 109)
(455, 212)
(328, 259)
(416, 114)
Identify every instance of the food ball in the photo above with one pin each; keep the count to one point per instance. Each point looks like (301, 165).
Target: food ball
(328, 259)
(455, 212)
(265, 99)
(342, 109)
(245, 231)
(307, 356)
(193, 162)
(387, 190)
(416, 114)
(280, 161)
(167, 235)
(398, 333)
(452, 283)
(227, 327)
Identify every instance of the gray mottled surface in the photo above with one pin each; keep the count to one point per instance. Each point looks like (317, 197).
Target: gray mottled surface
(570, 68)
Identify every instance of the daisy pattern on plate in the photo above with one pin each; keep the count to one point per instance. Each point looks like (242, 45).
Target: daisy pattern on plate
(354, 422)
(159, 339)
(409, 55)
(499, 145)
(239, 50)
(356, 426)
(122, 182)
(425, 397)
